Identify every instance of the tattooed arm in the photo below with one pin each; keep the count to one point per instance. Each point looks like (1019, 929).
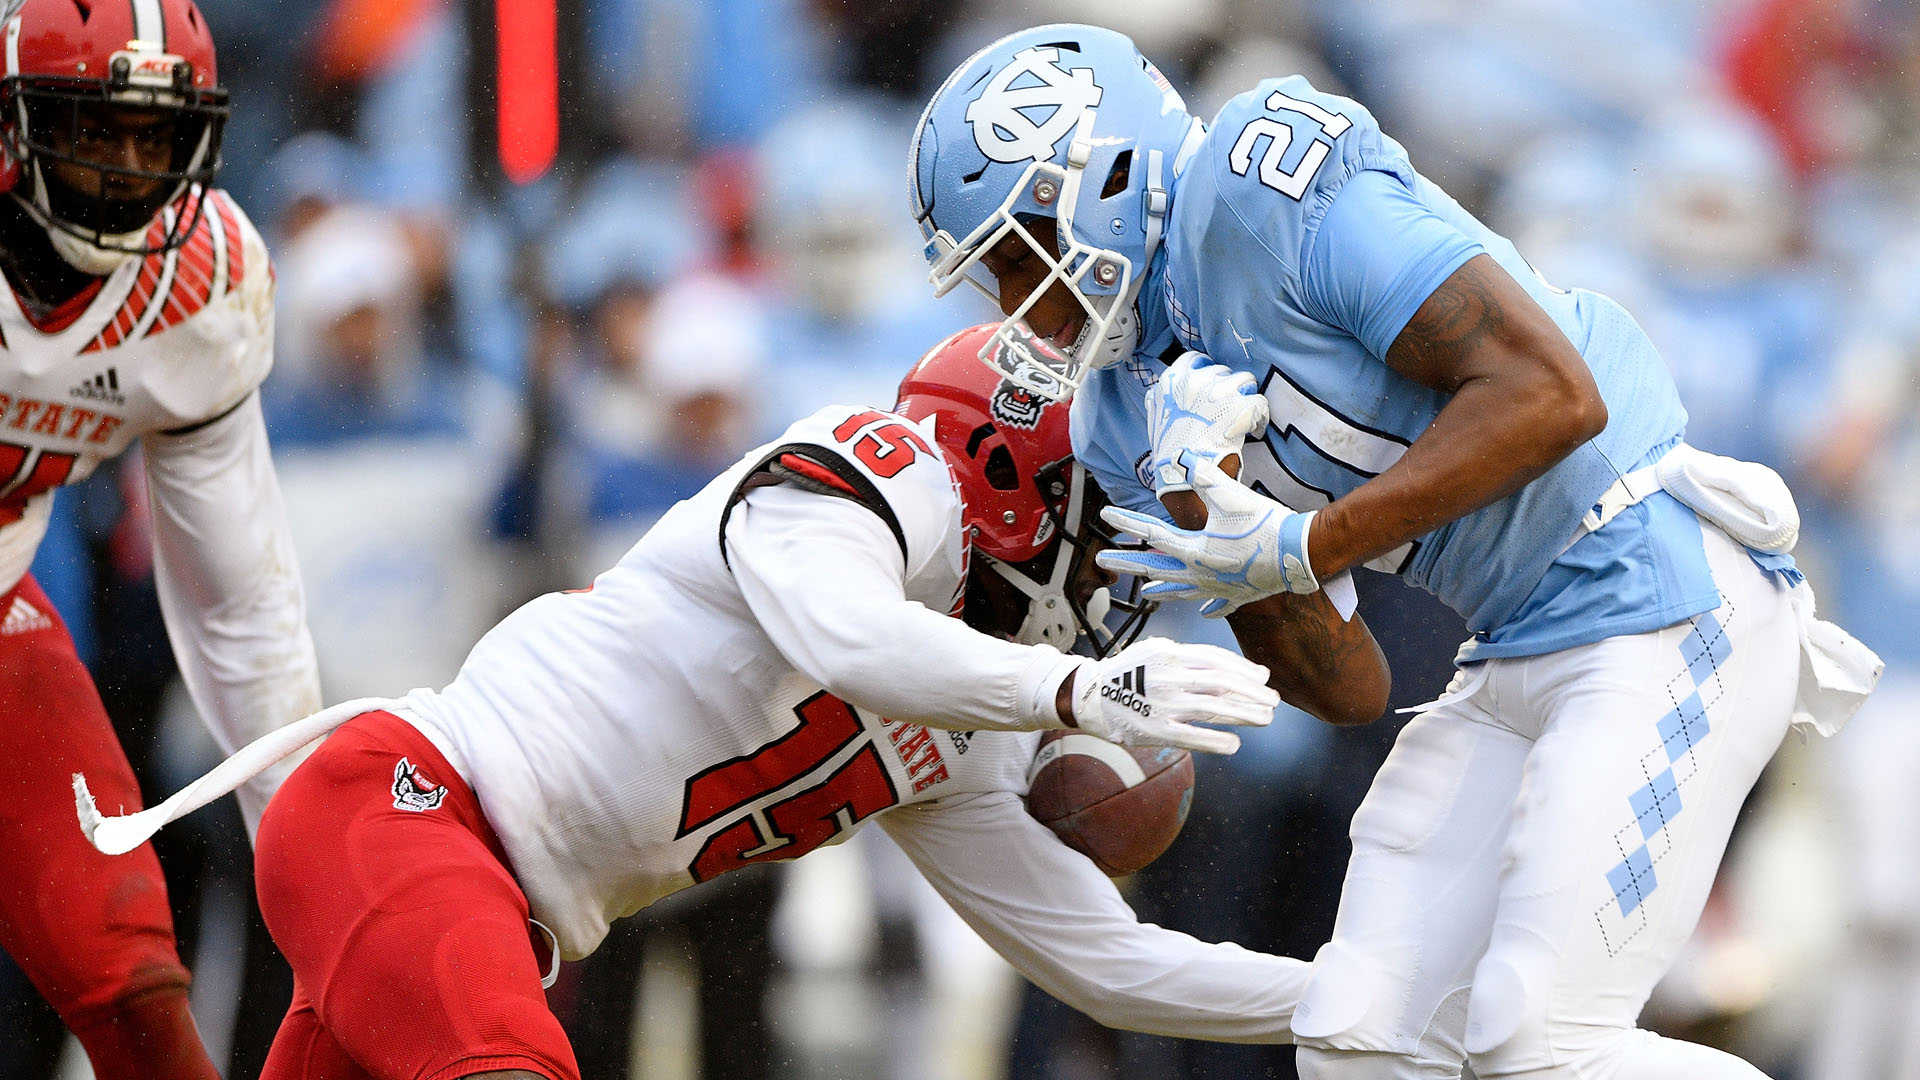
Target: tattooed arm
(1320, 663)
(1522, 400)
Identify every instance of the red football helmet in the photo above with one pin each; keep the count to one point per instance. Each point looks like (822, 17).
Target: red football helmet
(1032, 512)
(75, 68)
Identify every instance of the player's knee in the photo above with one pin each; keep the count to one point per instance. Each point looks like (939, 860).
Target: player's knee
(120, 992)
(1501, 1011)
(1322, 1063)
(1535, 1050)
(1339, 993)
(147, 1018)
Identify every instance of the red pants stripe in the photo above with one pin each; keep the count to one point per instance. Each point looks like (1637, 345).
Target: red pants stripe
(386, 889)
(93, 932)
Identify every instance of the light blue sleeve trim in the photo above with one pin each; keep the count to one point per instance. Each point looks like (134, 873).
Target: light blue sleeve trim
(1376, 256)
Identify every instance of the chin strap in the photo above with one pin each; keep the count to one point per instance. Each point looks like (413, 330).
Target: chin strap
(1158, 201)
(83, 255)
(98, 254)
(1049, 618)
(1123, 335)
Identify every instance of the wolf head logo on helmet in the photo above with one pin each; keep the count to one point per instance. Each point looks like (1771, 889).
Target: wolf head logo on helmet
(1028, 362)
(1063, 122)
(1016, 406)
(1032, 512)
(110, 112)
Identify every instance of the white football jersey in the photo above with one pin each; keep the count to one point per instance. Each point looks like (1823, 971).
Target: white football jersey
(169, 349)
(771, 667)
(168, 341)
(650, 732)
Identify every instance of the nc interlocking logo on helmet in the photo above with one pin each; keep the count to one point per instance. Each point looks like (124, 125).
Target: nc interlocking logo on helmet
(1000, 116)
(1063, 122)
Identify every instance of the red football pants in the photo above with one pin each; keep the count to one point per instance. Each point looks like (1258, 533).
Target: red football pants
(92, 931)
(386, 889)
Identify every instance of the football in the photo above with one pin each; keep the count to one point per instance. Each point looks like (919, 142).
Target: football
(1119, 806)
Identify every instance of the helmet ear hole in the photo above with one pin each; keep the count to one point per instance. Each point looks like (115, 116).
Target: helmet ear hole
(1000, 470)
(1118, 176)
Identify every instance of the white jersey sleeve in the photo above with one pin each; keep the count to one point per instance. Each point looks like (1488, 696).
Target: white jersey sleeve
(229, 585)
(827, 581)
(1058, 920)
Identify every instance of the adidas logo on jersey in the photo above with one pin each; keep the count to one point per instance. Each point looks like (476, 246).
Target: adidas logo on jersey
(24, 618)
(1130, 690)
(102, 387)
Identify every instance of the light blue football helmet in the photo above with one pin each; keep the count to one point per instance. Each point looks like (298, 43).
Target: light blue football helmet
(1066, 122)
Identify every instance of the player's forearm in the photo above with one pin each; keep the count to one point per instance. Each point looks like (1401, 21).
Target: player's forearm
(1321, 664)
(906, 662)
(1162, 982)
(1050, 913)
(824, 581)
(1522, 400)
(1490, 441)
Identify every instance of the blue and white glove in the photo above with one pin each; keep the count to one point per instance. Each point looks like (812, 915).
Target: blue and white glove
(1250, 548)
(1201, 406)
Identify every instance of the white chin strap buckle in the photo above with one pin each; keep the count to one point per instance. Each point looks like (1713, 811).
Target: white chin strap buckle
(1049, 621)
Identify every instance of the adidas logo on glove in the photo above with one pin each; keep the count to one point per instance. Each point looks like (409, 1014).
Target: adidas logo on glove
(1129, 690)
(1192, 685)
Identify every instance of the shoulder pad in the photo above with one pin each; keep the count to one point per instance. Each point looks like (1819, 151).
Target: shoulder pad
(1287, 137)
(816, 469)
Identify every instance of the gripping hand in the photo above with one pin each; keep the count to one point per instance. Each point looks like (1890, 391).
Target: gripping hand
(1201, 406)
(1154, 692)
(1250, 548)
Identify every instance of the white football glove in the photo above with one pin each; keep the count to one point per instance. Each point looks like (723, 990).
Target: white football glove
(1201, 406)
(1154, 691)
(1250, 548)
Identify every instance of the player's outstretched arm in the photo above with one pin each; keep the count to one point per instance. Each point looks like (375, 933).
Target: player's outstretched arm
(1060, 922)
(1523, 399)
(823, 577)
(229, 584)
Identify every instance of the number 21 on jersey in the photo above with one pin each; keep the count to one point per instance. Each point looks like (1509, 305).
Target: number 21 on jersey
(1279, 137)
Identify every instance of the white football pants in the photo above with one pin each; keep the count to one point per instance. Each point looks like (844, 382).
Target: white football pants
(1537, 848)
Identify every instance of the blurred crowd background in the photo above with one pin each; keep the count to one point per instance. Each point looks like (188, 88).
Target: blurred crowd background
(484, 391)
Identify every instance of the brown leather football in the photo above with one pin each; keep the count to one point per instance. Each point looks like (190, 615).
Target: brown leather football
(1119, 806)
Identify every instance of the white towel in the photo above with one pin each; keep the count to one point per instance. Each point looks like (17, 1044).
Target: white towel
(1837, 671)
(121, 834)
(1746, 498)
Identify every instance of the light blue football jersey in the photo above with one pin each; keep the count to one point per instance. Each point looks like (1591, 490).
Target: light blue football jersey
(1300, 242)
